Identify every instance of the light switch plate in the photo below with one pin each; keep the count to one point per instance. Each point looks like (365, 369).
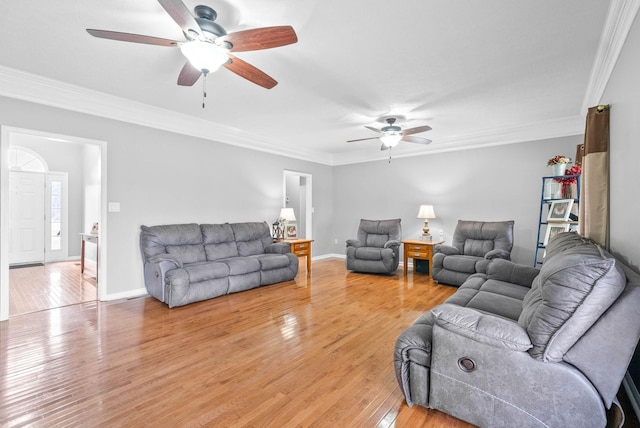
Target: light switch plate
(114, 207)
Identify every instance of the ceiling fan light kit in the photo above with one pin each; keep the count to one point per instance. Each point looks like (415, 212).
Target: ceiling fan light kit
(204, 56)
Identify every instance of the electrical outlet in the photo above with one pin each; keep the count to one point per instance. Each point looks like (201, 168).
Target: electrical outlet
(441, 233)
(335, 241)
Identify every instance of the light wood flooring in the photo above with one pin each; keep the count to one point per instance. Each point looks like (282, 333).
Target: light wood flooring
(50, 286)
(313, 352)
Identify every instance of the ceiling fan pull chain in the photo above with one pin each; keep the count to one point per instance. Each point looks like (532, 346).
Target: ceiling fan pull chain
(204, 89)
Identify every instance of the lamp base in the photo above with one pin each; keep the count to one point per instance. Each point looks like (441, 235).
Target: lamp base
(426, 237)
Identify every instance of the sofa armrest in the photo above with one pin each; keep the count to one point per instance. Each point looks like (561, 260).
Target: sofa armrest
(278, 248)
(166, 258)
(498, 254)
(504, 270)
(481, 327)
(392, 243)
(447, 250)
(354, 243)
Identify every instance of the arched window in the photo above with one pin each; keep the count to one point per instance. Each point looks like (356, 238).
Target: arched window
(23, 159)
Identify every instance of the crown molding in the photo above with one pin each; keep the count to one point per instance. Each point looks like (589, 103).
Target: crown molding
(544, 130)
(617, 25)
(41, 90)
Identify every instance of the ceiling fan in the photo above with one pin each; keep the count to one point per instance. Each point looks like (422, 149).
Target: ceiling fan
(392, 134)
(208, 45)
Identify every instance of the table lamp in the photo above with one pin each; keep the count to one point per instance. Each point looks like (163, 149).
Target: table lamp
(426, 212)
(287, 215)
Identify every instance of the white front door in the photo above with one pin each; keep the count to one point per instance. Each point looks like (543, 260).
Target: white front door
(26, 223)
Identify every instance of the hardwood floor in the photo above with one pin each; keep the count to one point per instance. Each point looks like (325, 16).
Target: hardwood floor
(50, 286)
(316, 351)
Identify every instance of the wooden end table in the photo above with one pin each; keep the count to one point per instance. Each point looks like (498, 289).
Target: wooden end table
(418, 250)
(302, 248)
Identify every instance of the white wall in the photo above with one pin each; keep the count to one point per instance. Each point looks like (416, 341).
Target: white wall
(91, 193)
(623, 93)
(490, 184)
(160, 177)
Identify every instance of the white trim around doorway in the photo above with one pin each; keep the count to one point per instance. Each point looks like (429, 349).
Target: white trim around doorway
(6, 133)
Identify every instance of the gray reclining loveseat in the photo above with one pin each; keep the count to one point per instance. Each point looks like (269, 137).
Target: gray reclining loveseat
(474, 244)
(186, 263)
(522, 347)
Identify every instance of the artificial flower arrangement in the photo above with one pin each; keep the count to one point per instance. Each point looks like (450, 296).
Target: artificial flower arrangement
(574, 170)
(558, 159)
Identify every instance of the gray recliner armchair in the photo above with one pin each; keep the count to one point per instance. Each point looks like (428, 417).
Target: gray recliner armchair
(474, 245)
(377, 249)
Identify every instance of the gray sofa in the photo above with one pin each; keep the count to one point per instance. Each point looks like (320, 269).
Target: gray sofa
(474, 245)
(377, 248)
(186, 263)
(523, 347)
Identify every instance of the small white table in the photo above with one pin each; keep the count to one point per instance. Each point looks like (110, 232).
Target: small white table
(89, 237)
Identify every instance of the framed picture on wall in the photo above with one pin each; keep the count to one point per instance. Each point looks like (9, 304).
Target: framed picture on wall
(554, 229)
(560, 210)
(292, 231)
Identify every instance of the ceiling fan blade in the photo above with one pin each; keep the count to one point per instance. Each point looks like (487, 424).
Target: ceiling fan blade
(362, 139)
(188, 75)
(259, 38)
(417, 140)
(134, 38)
(416, 130)
(249, 72)
(373, 129)
(181, 15)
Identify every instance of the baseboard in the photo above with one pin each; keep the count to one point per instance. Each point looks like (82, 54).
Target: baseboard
(131, 294)
(632, 393)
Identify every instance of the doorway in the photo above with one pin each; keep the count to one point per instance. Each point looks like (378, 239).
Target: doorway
(297, 194)
(89, 180)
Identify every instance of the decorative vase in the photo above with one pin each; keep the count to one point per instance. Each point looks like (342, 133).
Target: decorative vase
(558, 168)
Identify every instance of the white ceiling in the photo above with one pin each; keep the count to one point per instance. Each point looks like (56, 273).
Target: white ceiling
(477, 71)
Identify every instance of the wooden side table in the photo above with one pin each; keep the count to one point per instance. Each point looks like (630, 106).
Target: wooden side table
(418, 250)
(302, 248)
(89, 237)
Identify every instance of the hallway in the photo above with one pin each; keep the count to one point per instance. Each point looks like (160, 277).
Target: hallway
(50, 286)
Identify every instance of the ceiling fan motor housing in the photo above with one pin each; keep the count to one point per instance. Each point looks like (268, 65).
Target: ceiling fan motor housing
(205, 17)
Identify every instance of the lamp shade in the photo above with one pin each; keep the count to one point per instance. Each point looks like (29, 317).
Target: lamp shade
(204, 56)
(426, 211)
(391, 139)
(287, 214)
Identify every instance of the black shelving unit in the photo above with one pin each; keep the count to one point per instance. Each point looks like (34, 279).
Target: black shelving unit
(547, 197)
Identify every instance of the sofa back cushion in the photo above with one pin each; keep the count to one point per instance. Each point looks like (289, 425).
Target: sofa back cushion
(251, 238)
(376, 233)
(477, 238)
(181, 240)
(219, 241)
(577, 283)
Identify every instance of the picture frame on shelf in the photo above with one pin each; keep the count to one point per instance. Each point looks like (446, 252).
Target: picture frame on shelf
(291, 231)
(553, 229)
(560, 210)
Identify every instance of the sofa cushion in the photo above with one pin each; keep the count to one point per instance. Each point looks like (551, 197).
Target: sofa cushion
(575, 286)
(477, 247)
(466, 264)
(219, 242)
(272, 261)
(491, 296)
(199, 272)
(241, 265)
(251, 238)
(181, 240)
